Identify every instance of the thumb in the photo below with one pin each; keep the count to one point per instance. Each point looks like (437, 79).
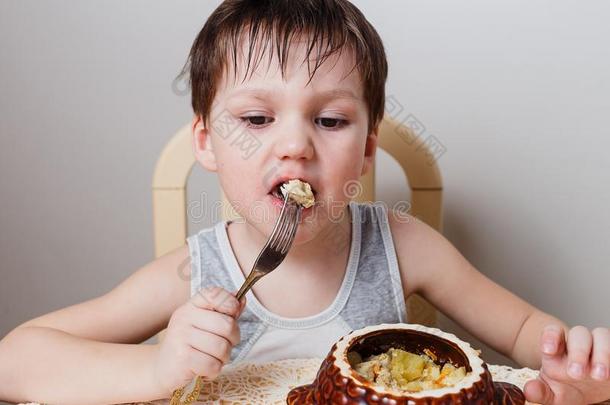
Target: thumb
(538, 391)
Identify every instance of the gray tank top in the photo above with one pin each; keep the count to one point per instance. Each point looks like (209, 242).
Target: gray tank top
(371, 292)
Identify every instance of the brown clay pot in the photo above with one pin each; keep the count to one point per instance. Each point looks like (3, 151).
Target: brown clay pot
(338, 383)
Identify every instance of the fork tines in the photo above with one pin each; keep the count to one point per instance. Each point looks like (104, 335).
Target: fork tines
(282, 236)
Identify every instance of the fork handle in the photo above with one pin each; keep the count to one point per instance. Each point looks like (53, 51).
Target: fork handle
(252, 278)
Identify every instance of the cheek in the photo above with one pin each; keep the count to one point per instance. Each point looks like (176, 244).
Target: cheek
(343, 160)
(233, 181)
(230, 162)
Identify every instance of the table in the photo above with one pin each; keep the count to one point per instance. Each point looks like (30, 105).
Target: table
(269, 383)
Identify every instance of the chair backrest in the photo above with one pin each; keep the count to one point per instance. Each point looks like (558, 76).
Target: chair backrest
(412, 154)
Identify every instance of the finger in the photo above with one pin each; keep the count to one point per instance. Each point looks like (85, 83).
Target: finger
(538, 391)
(207, 342)
(553, 347)
(217, 299)
(552, 340)
(215, 322)
(243, 304)
(600, 359)
(579, 349)
(203, 364)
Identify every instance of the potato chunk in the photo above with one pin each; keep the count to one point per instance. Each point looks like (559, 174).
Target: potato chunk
(405, 366)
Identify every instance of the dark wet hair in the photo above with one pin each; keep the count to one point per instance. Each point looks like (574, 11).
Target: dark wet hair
(328, 26)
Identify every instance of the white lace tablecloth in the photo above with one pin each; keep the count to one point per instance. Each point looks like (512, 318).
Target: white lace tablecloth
(269, 383)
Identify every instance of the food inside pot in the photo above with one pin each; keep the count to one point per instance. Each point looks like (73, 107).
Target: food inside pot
(401, 370)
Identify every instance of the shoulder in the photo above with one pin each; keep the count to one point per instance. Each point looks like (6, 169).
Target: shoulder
(174, 268)
(164, 281)
(423, 253)
(155, 290)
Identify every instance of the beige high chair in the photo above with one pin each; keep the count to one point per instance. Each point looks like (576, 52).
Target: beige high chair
(413, 155)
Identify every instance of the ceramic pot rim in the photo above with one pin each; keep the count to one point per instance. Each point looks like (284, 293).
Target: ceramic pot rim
(475, 362)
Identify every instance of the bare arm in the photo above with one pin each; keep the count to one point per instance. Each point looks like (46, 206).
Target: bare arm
(89, 353)
(526, 347)
(47, 365)
(432, 267)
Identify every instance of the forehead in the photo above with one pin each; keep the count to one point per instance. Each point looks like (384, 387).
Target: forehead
(260, 67)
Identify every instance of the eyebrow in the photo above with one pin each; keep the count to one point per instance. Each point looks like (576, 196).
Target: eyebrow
(265, 94)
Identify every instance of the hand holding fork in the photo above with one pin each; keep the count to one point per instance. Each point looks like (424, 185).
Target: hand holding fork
(270, 257)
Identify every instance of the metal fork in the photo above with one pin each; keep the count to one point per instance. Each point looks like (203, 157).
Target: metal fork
(277, 246)
(272, 254)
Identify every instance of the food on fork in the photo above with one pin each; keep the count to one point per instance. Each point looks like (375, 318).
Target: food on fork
(299, 191)
(402, 370)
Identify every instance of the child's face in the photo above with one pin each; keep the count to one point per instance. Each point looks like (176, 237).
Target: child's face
(267, 129)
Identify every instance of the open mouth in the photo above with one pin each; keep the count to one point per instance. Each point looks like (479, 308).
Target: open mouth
(276, 192)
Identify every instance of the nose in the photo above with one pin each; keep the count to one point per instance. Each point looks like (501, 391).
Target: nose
(294, 142)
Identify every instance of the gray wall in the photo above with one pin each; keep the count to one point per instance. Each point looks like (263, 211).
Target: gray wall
(514, 93)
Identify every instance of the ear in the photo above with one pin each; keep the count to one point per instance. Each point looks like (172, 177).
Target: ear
(202, 145)
(370, 150)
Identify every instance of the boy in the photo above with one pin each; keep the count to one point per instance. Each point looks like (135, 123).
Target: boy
(306, 80)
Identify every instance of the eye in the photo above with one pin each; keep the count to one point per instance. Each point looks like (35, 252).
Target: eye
(256, 121)
(330, 123)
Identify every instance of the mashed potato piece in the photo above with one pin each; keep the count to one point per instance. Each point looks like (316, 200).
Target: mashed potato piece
(404, 371)
(299, 191)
